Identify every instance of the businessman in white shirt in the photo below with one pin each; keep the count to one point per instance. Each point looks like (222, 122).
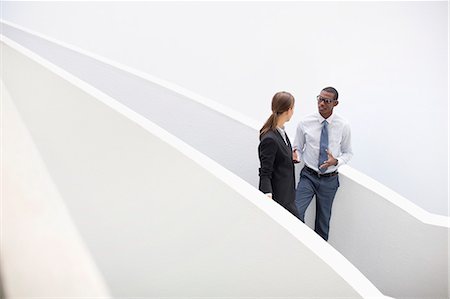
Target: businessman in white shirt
(323, 142)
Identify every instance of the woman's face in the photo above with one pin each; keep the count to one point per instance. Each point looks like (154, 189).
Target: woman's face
(290, 113)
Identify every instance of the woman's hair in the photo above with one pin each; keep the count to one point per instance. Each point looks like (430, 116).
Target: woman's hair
(281, 102)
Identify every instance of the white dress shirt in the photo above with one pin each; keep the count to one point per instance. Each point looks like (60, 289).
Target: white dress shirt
(307, 140)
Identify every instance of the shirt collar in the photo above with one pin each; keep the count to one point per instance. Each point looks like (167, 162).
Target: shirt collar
(329, 119)
(281, 130)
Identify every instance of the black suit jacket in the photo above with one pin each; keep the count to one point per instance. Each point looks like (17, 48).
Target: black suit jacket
(276, 174)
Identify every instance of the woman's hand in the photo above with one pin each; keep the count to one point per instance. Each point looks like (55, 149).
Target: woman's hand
(295, 156)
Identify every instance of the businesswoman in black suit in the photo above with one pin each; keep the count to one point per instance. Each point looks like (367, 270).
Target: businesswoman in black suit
(276, 174)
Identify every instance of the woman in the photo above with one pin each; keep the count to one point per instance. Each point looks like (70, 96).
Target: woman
(276, 175)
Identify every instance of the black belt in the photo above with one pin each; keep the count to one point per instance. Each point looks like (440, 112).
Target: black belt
(312, 171)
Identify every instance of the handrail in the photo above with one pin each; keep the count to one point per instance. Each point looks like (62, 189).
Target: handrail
(393, 197)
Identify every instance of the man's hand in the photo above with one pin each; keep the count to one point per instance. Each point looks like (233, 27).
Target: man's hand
(269, 195)
(332, 161)
(295, 156)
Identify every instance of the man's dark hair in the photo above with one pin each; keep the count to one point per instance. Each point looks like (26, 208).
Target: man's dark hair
(333, 91)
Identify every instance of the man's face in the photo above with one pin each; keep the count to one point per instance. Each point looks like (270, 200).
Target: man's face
(326, 103)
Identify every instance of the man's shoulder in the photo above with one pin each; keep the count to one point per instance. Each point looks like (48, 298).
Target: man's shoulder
(338, 119)
(309, 118)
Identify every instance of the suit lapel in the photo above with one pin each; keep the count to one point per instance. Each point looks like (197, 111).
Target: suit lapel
(289, 143)
(286, 147)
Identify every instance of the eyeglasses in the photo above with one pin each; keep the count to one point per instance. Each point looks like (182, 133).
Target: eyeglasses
(327, 101)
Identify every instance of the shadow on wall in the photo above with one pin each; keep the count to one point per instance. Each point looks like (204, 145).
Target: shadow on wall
(2, 294)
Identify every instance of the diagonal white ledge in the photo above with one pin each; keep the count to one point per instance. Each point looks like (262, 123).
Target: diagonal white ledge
(300, 231)
(153, 79)
(366, 181)
(395, 198)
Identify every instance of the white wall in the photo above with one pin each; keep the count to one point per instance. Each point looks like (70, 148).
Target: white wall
(388, 59)
(357, 214)
(42, 253)
(153, 231)
(400, 247)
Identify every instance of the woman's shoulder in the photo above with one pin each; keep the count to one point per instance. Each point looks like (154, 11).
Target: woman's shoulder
(268, 135)
(269, 139)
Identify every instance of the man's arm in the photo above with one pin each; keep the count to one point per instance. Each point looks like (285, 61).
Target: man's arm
(299, 143)
(346, 146)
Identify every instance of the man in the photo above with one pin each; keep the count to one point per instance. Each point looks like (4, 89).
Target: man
(322, 141)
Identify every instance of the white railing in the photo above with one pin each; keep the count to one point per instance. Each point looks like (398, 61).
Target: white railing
(160, 218)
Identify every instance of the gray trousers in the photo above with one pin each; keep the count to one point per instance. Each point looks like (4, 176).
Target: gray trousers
(324, 188)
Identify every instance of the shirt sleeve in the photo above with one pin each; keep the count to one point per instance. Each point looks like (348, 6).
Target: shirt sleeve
(346, 146)
(299, 141)
(267, 150)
